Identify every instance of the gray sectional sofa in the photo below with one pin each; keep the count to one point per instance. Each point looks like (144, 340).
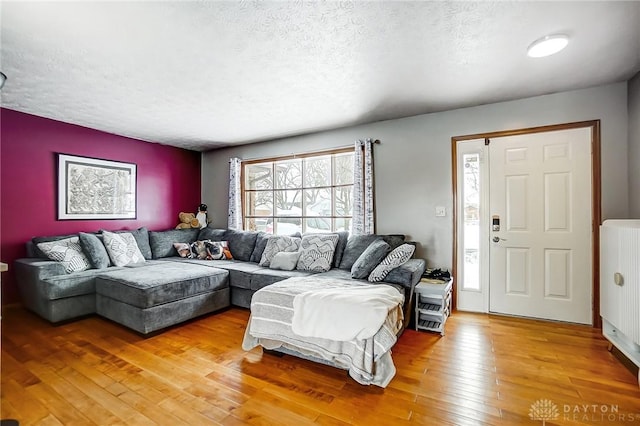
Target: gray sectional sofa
(167, 289)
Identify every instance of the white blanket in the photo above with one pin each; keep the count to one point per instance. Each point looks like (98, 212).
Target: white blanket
(343, 314)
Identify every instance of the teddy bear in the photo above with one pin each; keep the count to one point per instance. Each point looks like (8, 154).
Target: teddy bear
(187, 220)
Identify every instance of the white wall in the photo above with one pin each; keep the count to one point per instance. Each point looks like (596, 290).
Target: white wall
(634, 147)
(413, 162)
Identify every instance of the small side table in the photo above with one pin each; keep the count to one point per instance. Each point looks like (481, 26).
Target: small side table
(433, 305)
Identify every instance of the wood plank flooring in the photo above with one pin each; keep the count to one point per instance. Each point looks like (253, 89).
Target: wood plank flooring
(487, 370)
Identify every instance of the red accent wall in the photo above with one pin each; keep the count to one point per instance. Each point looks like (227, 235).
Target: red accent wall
(168, 182)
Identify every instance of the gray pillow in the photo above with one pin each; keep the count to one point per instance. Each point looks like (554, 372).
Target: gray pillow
(369, 259)
(261, 243)
(161, 242)
(95, 250)
(285, 261)
(141, 235)
(356, 244)
(241, 243)
(397, 257)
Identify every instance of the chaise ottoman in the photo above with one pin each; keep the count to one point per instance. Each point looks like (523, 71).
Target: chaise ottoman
(147, 299)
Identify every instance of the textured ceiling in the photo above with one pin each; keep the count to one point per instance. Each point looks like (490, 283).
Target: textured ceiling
(201, 75)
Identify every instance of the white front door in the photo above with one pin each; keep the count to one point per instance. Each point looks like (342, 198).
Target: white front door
(540, 197)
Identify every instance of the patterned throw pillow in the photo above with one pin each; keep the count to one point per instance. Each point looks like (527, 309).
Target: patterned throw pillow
(183, 249)
(68, 252)
(122, 248)
(210, 250)
(277, 244)
(316, 252)
(394, 259)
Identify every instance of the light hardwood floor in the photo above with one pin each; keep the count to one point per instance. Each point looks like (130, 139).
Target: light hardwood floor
(486, 370)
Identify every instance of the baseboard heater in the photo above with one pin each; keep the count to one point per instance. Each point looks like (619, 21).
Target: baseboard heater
(620, 286)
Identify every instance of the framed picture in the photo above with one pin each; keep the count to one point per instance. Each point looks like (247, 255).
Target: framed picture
(90, 188)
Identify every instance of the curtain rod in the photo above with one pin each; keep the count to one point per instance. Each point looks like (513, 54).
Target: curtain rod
(376, 141)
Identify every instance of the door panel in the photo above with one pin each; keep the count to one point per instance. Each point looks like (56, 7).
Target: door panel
(540, 264)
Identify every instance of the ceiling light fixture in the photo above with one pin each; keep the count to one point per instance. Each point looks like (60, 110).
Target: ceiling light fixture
(547, 45)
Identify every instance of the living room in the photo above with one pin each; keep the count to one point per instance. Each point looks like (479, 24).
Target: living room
(413, 176)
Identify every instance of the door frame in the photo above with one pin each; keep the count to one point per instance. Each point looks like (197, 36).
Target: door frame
(596, 198)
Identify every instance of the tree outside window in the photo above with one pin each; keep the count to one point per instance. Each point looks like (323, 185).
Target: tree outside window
(308, 193)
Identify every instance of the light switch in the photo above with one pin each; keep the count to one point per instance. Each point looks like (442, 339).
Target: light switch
(441, 211)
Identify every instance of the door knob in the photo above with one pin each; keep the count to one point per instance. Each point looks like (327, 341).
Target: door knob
(498, 239)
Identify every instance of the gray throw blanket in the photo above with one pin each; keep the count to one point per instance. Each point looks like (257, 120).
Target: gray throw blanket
(368, 361)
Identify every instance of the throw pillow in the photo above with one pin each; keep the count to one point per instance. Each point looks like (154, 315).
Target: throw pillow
(210, 250)
(277, 244)
(224, 248)
(142, 240)
(122, 248)
(68, 252)
(94, 248)
(286, 261)
(316, 252)
(369, 259)
(183, 249)
(394, 259)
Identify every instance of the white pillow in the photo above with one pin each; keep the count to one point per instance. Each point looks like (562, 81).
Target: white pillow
(68, 252)
(277, 244)
(122, 248)
(285, 261)
(397, 257)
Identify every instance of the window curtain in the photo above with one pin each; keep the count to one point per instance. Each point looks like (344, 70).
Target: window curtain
(363, 221)
(235, 195)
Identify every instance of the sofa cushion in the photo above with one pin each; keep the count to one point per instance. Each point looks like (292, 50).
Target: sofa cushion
(277, 244)
(122, 248)
(369, 259)
(68, 252)
(266, 276)
(95, 250)
(141, 236)
(316, 252)
(162, 283)
(261, 243)
(161, 242)
(397, 257)
(211, 234)
(241, 243)
(343, 236)
(356, 244)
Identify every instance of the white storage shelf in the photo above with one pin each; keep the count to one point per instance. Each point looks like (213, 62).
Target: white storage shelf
(433, 304)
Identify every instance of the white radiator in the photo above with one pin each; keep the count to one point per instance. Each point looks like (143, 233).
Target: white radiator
(620, 285)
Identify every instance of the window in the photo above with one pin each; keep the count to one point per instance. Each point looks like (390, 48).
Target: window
(307, 193)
